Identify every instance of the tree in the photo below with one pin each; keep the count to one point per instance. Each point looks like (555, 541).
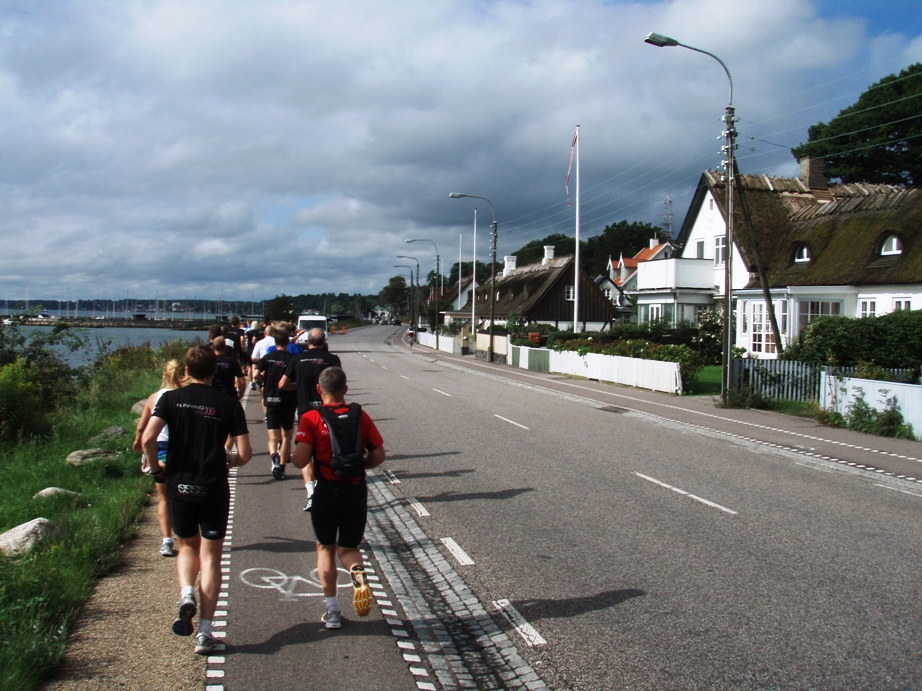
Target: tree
(281, 308)
(876, 140)
(617, 239)
(394, 294)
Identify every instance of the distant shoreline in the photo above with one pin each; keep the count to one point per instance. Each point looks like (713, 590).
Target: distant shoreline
(90, 323)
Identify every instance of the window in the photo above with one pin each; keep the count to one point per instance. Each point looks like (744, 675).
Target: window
(811, 309)
(901, 304)
(763, 340)
(699, 249)
(607, 293)
(891, 246)
(868, 308)
(720, 250)
(802, 254)
(656, 312)
(569, 294)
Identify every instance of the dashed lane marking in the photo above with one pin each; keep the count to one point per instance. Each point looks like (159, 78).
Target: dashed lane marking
(519, 624)
(511, 422)
(686, 494)
(459, 554)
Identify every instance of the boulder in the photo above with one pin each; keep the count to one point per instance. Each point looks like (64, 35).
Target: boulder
(85, 456)
(21, 539)
(55, 492)
(138, 407)
(114, 432)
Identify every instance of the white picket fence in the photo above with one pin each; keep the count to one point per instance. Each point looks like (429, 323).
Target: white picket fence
(838, 392)
(644, 374)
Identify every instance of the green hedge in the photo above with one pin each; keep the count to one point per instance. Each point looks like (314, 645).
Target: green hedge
(893, 340)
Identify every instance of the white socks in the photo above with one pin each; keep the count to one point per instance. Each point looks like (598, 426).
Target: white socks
(204, 626)
(332, 603)
(309, 486)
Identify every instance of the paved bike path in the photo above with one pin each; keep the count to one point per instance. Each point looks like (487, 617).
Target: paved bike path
(274, 635)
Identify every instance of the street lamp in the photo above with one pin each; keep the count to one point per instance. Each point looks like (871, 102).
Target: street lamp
(415, 310)
(438, 273)
(661, 41)
(458, 195)
(412, 288)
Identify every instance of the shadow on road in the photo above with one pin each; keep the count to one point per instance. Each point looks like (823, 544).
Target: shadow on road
(467, 496)
(534, 610)
(279, 545)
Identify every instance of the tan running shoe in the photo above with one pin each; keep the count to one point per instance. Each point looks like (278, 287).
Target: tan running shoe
(361, 598)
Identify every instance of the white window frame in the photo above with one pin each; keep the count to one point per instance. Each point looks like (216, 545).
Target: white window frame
(569, 293)
(699, 249)
(868, 308)
(656, 312)
(808, 310)
(802, 255)
(763, 340)
(720, 250)
(892, 246)
(902, 304)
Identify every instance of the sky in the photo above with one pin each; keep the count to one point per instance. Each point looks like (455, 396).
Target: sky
(241, 149)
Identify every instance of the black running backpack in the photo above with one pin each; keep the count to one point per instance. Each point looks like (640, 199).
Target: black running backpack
(348, 459)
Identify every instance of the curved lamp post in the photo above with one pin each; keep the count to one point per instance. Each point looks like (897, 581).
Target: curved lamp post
(415, 310)
(438, 273)
(412, 287)
(458, 195)
(661, 41)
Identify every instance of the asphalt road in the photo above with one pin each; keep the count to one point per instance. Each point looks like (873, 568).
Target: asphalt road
(636, 540)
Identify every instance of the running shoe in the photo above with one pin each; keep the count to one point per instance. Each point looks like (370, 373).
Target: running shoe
(308, 504)
(183, 624)
(332, 619)
(205, 643)
(276, 465)
(166, 548)
(361, 598)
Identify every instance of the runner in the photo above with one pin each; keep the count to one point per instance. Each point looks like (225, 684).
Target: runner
(280, 404)
(196, 470)
(340, 508)
(174, 376)
(229, 378)
(303, 375)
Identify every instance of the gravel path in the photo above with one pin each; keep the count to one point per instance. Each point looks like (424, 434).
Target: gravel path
(122, 639)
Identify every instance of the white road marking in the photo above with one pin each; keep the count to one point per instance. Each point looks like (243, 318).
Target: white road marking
(519, 623)
(901, 491)
(418, 507)
(405, 377)
(509, 421)
(443, 393)
(393, 479)
(457, 552)
(686, 494)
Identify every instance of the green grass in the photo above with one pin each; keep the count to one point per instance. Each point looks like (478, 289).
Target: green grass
(708, 383)
(42, 593)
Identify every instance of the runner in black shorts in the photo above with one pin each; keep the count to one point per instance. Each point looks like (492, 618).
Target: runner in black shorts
(200, 420)
(280, 404)
(340, 505)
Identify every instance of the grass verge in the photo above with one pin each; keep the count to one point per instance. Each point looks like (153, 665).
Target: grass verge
(42, 593)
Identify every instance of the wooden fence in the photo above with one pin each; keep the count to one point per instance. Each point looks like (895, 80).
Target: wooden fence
(787, 379)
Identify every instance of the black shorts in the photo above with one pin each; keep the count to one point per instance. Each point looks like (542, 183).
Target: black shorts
(209, 516)
(280, 416)
(339, 507)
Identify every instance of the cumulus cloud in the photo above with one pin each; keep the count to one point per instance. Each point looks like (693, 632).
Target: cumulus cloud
(249, 149)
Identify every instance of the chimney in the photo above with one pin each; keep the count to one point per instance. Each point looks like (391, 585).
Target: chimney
(510, 265)
(813, 173)
(548, 255)
(654, 243)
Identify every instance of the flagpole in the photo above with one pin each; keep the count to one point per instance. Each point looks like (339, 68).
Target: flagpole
(576, 257)
(474, 286)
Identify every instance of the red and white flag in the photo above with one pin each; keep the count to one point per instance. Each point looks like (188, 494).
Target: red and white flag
(570, 165)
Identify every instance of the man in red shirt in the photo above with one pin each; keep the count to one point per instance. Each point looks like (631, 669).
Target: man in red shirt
(340, 507)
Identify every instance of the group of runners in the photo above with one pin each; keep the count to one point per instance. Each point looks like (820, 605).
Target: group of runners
(194, 429)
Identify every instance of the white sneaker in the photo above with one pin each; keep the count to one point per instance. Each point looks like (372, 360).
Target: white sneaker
(332, 618)
(206, 643)
(166, 548)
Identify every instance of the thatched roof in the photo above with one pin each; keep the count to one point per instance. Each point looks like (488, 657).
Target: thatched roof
(843, 227)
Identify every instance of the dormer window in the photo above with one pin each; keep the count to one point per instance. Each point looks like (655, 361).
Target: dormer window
(892, 246)
(802, 254)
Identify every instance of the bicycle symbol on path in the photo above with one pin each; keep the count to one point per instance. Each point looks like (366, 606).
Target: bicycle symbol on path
(290, 587)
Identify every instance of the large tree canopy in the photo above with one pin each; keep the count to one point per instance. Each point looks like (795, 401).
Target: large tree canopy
(877, 140)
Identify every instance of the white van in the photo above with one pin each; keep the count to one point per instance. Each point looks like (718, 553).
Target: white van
(306, 322)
